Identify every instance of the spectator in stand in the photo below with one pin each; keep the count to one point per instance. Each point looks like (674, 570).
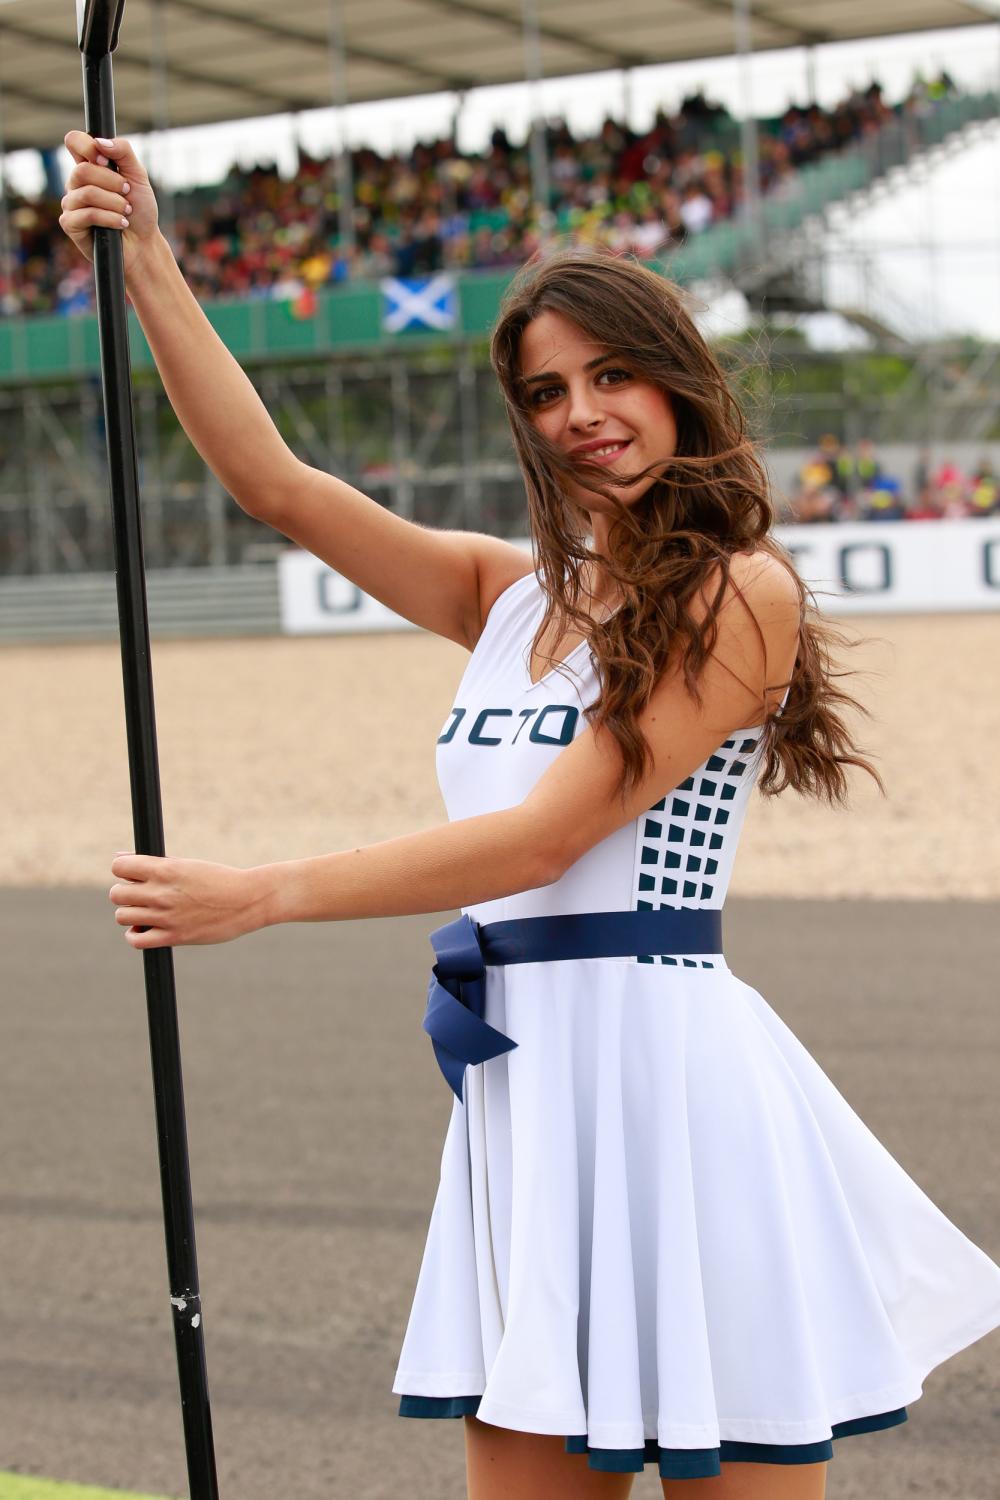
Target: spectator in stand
(867, 469)
(984, 499)
(697, 211)
(951, 489)
(925, 505)
(882, 500)
(815, 499)
(839, 465)
(650, 235)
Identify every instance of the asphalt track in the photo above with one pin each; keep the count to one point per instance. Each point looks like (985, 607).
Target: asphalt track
(316, 1116)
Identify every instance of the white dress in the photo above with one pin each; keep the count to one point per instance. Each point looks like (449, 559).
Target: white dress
(660, 1231)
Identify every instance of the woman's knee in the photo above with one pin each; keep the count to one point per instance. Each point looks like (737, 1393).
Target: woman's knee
(503, 1464)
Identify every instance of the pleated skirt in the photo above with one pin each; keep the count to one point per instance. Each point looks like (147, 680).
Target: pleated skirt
(661, 1232)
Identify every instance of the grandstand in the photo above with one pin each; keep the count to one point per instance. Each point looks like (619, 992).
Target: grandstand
(392, 390)
(671, 194)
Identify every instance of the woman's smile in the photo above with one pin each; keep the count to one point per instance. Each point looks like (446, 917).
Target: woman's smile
(603, 455)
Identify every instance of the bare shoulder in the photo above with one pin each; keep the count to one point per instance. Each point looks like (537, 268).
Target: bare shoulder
(499, 564)
(759, 620)
(765, 586)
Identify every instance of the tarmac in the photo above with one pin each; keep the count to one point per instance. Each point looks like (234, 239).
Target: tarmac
(316, 1115)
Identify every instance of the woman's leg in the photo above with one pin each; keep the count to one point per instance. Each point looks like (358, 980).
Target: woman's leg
(505, 1465)
(753, 1482)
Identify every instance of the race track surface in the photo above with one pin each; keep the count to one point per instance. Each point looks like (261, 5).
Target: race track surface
(316, 1116)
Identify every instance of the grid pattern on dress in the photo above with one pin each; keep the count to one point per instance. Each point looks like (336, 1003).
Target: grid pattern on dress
(683, 837)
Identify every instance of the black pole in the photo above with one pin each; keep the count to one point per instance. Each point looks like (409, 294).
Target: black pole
(100, 21)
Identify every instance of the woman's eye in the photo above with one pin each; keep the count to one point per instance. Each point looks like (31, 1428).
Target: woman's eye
(613, 370)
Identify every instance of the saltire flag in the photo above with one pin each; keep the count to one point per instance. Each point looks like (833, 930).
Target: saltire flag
(430, 302)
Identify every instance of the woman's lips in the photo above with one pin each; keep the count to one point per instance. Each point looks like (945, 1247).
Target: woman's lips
(602, 458)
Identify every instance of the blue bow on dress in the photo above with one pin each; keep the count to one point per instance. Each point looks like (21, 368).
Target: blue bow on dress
(455, 1001)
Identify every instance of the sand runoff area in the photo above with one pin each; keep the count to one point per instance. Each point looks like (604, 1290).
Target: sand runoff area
(282, 747)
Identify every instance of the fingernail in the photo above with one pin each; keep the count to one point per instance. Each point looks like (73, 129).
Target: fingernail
(128, 208)
(102, 161)
(126, 187)
(108, 145)
(124, 222)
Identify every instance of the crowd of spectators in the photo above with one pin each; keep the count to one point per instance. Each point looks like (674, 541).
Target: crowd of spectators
(257, 234)
(843, 484)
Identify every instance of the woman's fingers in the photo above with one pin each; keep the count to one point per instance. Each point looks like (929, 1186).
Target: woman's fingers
(137, 867)
(124, 158)
(154, 938)
(135, 916)
(134, 895)
(108, 188)
(85, 173)
(89, 196)
(81, 146)
(182, 900)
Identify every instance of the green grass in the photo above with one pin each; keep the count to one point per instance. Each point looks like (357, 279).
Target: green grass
(26, 1487)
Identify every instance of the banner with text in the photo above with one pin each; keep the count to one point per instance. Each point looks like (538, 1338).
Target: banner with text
(907, 567)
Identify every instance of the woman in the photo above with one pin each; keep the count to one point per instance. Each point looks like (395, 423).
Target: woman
(661, 1234)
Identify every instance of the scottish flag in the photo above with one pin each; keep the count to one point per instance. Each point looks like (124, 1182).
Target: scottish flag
(430, 302)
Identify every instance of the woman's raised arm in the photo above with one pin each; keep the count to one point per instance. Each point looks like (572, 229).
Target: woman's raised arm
(431, 577)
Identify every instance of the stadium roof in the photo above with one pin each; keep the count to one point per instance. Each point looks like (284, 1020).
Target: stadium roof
(227, 59)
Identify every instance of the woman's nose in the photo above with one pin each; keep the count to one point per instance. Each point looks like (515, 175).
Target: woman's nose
(584, 406)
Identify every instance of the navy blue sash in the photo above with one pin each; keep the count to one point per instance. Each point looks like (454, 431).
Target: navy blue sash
(457, 990)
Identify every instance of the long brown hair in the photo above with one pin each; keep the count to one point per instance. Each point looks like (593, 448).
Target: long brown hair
(710, 501)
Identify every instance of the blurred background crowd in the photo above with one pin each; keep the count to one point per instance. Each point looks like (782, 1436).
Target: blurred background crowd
(839, 483)
(257, 234)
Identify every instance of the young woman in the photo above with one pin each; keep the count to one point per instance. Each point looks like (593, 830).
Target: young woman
(661, 1234)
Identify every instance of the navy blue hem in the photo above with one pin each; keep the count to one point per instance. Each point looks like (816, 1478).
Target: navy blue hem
(674, 1463)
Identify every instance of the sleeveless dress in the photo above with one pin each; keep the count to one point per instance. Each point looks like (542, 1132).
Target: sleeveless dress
(660, 1231)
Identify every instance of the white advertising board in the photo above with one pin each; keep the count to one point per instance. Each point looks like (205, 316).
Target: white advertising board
(909, 567)
(906, 567)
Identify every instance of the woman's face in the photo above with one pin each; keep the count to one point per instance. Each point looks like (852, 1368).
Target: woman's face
(606, 403)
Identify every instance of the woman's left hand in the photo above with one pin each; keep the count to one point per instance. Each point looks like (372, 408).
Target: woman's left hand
(185, 900)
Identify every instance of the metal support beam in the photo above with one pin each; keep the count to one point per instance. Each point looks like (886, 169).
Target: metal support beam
(539, 145)
(472, 491)
(340, 97)
(456, 114)
(402, 486)
(811, 74)
(748, 126)
(159, 108)
(627, 100)
(6, 246)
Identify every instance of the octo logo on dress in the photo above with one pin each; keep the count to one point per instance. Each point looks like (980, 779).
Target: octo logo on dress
(553, 724)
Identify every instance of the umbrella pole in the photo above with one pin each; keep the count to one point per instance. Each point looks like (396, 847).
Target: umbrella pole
(99, 22)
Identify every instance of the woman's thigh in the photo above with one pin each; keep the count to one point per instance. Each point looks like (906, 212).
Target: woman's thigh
(753, 1482)
(505, 1465)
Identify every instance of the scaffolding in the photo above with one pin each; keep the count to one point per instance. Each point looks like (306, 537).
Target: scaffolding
(422, 432)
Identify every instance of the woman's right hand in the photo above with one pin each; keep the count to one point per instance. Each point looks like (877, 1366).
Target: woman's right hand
(98, 195)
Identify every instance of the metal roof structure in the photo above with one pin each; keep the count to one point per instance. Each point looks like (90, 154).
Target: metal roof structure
(194, 62)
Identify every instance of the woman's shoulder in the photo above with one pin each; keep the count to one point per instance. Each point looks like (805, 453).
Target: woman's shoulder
(763, 580)
(501, 565)
(759, 616)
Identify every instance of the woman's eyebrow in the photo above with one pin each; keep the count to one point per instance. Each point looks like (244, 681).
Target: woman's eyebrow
(554, 374)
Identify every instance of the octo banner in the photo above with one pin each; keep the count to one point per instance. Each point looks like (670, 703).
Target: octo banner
(906, 567)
